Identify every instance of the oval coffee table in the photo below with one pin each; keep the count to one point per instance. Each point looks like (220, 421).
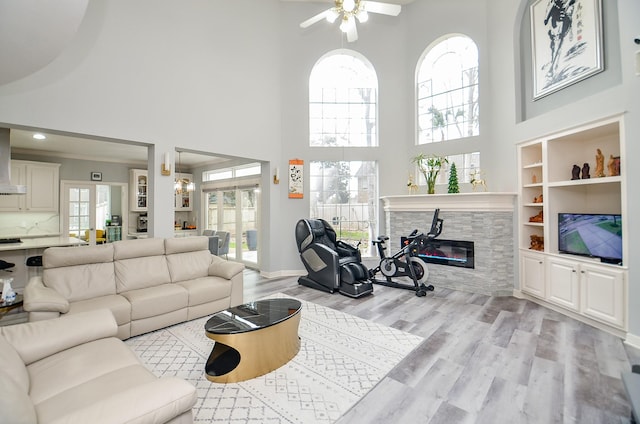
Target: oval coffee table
(252, 339)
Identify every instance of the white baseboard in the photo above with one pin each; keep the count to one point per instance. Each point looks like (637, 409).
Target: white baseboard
(632, 340)
(282, 273)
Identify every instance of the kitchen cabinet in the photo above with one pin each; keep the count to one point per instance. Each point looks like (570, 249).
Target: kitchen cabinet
(42, 180)
(184, 196)
(139, 189)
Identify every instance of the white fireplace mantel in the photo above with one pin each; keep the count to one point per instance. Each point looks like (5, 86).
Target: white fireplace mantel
(498, 202)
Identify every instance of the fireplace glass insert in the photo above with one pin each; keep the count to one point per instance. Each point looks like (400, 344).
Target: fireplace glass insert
(446, 252)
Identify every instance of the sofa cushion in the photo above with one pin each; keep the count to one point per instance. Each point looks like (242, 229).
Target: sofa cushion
(73, 367)
(91, 391)
(185, 244)
(117, 304)
(13, 366)
(140, 273)
(207, 289)
(156, 300)
(165, 400)
(187, 266)
(56, 257)
(140, 264)
(15, 405)
(139, 248)
(37, 340)
(79, 273)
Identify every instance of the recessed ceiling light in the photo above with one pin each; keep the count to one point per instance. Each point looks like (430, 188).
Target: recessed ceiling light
(39, 136)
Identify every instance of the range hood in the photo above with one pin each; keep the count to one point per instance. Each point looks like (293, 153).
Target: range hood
(5, 166)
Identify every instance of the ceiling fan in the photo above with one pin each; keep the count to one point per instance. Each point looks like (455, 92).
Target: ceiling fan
(349, 11)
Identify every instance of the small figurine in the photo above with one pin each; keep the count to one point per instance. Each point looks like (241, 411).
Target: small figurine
(537, 199)
(613, 166)
(413, 187)
(534, 179)
(585, 171)
(537, 242)
(476, 181)
(536, 218)
(575, 172)
(599, 164)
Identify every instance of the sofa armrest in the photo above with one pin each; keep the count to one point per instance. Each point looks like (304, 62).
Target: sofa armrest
(158, 401)
(36, 340)
(38, 298)
(225, 269)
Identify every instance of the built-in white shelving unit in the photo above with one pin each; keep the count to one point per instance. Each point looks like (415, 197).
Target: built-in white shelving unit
(580, 286)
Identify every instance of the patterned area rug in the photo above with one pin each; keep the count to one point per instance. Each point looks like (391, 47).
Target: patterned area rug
(341, 358)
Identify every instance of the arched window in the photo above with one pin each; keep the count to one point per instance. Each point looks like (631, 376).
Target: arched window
(343, 101)
(447, 91)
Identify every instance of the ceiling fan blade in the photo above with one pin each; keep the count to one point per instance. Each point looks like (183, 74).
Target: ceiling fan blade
(383, 8)
(352, 32)
(317, 18)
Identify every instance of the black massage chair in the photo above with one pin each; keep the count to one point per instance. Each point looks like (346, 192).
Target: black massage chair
(332, 265)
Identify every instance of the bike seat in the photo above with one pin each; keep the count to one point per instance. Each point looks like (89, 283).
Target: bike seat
(381, 239)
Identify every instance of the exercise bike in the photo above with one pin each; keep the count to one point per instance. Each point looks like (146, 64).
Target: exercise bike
(405, 262)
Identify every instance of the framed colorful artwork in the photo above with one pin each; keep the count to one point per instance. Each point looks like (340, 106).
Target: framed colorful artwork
(296, 178)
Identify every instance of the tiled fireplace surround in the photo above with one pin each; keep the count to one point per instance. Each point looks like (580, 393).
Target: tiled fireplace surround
(487, 219)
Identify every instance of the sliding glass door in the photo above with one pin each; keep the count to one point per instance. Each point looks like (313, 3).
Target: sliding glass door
(235, 210)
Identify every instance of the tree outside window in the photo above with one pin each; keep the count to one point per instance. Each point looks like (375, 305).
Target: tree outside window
(343, 99)
(447, 91)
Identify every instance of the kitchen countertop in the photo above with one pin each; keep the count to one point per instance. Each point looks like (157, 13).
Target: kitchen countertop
(42, 243)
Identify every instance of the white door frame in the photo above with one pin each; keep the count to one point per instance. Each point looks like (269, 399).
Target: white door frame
(65, 185)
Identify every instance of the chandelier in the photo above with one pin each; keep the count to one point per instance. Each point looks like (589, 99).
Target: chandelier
(350, 10)
(182, 185)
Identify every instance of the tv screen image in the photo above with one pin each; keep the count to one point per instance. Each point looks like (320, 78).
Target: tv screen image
(595, 235)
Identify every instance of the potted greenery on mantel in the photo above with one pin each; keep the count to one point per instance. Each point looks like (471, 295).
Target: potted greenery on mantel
(429, 166)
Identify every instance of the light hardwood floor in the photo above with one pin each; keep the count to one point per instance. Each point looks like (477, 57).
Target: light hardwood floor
(484, 359)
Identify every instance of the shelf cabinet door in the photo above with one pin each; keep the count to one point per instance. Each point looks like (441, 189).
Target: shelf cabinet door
(603, 294)
(42, 183)
(532, 274)
(563, 283)
(184, 198)
(139, 190)
(41, 179)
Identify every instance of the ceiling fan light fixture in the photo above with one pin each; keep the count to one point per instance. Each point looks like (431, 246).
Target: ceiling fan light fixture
(348, 5)
(332, 15)
(347, 22)
(362, 16)
(350, 11)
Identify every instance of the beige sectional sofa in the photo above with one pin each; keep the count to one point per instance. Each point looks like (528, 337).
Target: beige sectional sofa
(74, 370)
(146, 283)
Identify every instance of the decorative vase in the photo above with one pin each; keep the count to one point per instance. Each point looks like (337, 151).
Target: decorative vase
(431, 182)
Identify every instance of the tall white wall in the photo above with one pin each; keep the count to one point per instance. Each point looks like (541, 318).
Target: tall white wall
(231, 77)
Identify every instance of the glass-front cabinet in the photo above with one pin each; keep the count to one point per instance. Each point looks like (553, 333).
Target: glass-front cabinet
(139, 187)
(184, 192)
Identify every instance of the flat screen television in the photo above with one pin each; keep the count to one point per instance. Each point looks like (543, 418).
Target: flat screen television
(594, 235)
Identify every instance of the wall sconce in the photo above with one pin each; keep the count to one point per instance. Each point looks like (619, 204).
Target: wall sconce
(166, 165)
(276, 176)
